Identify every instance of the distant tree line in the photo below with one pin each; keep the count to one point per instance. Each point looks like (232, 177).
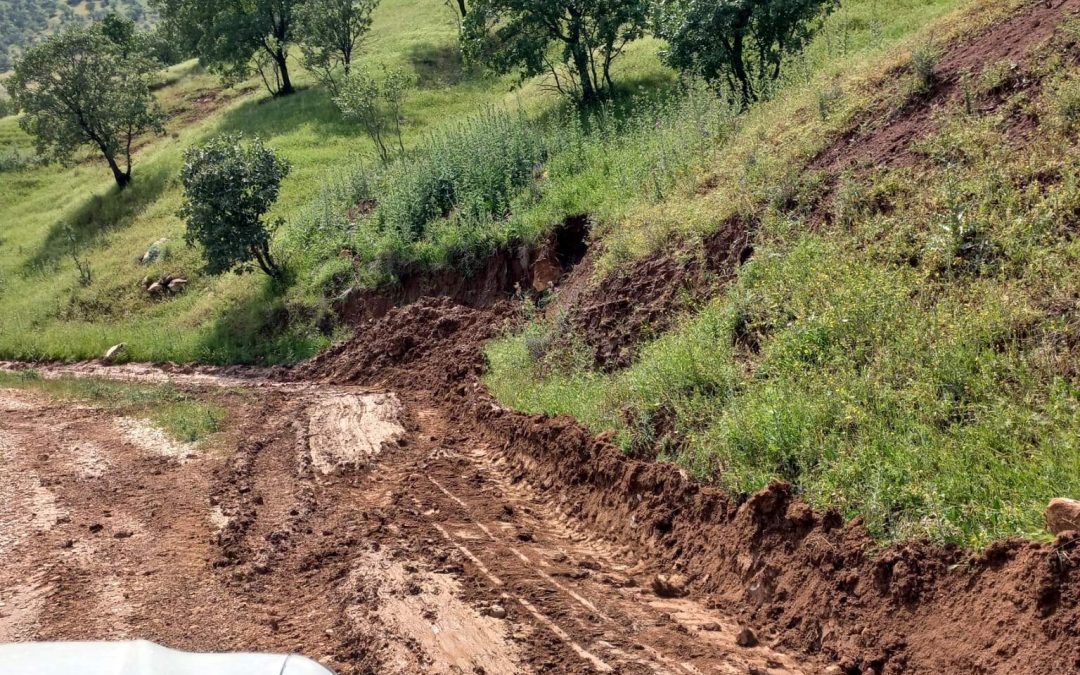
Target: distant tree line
(23, 22)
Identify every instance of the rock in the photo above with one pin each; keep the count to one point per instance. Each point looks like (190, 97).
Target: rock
(1063, 515)
(711, 627)
(495, 612)
(114, 352)
(834, 670)
(155, 288)
(670, 586)
(177, 285)
(123, 534)
(746, 638)
(145, 283)
(153, 252)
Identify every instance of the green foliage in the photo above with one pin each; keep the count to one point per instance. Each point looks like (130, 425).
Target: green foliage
(120, 31)
(24, 22)
(233, 37)
(229, 185)
(375, 104)
(79, 88)
(331, 32)
(923, 62)
(742, 44)
(580, 37)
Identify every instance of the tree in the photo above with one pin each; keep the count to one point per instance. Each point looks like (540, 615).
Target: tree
(739, 43)
(229, 185)
(121, 31)
(520, 34)
(376, 106)
(331, 31)
(231, 36)
(78, 88)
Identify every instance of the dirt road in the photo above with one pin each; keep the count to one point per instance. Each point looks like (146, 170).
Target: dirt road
(354, 526)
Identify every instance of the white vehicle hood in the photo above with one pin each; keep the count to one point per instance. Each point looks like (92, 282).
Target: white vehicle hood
(141, 658)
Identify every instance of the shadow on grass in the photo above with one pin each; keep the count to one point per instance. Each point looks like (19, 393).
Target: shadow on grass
(263, 330)
(269, 117)
(98, 214)
(439, 66)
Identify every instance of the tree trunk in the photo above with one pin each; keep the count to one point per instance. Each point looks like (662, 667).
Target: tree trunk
(581, 64)
(266, 263)
(122, 178)
(282, 60)
(739, 65)
(461, 7)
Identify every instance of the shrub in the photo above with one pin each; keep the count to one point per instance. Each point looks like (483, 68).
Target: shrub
(376, 106)
(228, 186)
(923, 62)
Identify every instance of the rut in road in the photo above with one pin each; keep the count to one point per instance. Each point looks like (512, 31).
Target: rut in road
(351, 525)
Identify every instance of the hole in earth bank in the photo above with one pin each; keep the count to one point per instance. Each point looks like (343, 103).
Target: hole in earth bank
(505, 272)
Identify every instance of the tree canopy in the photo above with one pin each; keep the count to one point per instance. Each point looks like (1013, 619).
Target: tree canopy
(229, 185)
(80, 88)
(233, 36)
(739, 43)
(331, 31)
(574, 40)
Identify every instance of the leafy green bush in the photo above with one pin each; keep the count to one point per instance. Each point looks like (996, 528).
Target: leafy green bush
(228, 186)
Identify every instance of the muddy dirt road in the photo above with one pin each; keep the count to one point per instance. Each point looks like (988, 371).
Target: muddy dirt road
(355, 526)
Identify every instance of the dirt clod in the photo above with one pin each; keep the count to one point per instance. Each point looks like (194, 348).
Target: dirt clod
(746, 638)
(670, 585)
(1063, 515)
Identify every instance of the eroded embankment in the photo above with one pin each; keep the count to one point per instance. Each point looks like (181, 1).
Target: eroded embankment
(821, 585)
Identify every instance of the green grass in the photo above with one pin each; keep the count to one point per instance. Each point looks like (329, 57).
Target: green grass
(185, 417)
(913, 362)
(227, 319)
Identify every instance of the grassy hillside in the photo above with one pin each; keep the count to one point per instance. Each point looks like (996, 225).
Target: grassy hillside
(48, 314)
(901, 345)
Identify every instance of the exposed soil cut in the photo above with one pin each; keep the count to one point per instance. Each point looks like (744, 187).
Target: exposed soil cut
(626, 308)
(505, 273)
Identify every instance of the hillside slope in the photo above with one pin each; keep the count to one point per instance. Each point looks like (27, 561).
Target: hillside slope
(22, 22)
(877, 304)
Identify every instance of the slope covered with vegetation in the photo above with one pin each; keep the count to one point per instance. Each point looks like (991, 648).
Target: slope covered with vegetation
(898, 343)
(901, 344)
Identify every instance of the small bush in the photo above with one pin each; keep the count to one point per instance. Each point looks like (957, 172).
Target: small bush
(923, 62)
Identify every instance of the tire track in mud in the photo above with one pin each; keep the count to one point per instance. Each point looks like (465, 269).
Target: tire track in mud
(349, 525)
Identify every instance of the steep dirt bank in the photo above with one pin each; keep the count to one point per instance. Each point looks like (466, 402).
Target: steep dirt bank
(817, 584)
